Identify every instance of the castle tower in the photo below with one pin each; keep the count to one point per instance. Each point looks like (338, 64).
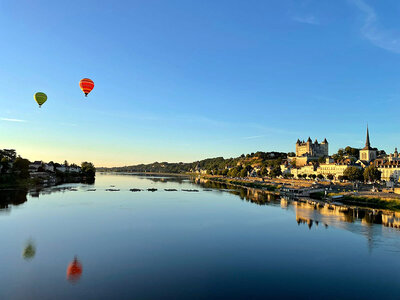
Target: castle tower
(367, 153)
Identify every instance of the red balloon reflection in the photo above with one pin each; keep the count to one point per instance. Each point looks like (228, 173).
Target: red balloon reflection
(74, 270)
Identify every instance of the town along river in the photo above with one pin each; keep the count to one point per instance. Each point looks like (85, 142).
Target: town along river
(103, 241)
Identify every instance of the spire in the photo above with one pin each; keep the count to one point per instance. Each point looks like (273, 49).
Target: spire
(309, 140)
(367, 143)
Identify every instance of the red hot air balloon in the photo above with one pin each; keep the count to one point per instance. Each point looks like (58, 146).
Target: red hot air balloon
(74, 270)
(86, 85)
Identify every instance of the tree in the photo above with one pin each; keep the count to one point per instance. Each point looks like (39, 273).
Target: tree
(21, 166)
(353, 173)
(264, 171)
(330, 176)
(320, 176)
(276, 171)
(371, 173)
(243, 172)
(352, 151)
(5, 166)
(88, 169)
(10, 154)
(233, 172)
(293, 162)
(66, 163)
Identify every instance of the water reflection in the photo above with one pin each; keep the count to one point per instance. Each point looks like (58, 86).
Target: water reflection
(312, 212)
(74, 270)
(29, 251)
(12, 197)
(307, 212)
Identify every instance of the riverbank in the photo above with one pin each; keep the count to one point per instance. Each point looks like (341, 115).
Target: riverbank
(371, 202)
(246, 184)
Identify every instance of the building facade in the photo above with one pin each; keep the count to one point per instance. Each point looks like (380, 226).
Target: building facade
(312, 149)
(309, 151)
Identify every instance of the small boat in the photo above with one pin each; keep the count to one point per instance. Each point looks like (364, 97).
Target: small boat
(189, 190)
(112, 190)
(170, 190)
(152, 190)
(135, 190)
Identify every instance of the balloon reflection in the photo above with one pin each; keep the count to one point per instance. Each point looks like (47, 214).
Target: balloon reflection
(29, 251)
(74, 270)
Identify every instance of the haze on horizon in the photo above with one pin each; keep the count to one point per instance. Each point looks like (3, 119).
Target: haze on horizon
(179, 81)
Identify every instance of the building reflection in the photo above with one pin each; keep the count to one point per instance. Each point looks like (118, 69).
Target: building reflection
(314, 213)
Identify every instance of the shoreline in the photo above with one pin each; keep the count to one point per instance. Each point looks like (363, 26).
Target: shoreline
(372, 202)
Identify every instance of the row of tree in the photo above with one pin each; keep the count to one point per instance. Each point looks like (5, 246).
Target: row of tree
(14, 167)
(217, 165)
(369, 174)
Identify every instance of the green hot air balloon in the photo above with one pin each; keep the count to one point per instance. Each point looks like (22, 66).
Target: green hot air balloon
(40, 98)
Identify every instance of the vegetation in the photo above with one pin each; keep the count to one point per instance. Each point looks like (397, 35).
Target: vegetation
(348, 152)
(372, 202)
(88, 169)
(353, 174)
(232, 167)
(15, 171)
(372, 174)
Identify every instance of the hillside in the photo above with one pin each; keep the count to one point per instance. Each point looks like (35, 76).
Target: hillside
(210, 165)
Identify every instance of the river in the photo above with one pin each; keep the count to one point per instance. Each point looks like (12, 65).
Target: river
(198, 240)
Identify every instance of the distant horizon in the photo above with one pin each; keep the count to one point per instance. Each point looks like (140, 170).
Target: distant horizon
(199, 159)
(181, 81)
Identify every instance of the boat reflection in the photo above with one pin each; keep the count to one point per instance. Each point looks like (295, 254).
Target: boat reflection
(74, 271)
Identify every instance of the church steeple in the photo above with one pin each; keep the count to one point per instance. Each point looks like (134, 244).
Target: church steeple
(367, 143)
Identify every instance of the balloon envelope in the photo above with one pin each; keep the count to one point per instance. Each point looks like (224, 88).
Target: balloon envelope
(86, 85)
(40, 98)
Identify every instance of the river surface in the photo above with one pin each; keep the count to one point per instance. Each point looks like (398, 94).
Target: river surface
(82, 241)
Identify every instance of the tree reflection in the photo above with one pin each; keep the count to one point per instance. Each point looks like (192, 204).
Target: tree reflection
(12, 197)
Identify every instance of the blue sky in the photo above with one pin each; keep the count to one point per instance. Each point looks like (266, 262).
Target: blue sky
(186, 80)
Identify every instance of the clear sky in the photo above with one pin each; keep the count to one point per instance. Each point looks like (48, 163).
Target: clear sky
(185, 80)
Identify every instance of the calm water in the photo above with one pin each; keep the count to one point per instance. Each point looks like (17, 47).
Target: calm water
(215, 243)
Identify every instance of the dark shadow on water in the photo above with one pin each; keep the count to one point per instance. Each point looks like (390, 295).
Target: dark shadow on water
(12, 197)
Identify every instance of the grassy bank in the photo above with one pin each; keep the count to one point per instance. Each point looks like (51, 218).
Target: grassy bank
(372, 202)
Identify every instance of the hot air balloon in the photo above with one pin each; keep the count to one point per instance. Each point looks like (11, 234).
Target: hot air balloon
(86, 85)
(40, 98)
(74, 270)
